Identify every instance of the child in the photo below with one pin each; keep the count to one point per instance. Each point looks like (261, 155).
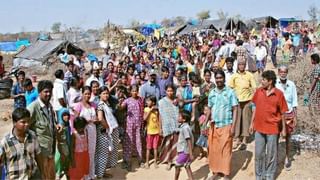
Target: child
(134, 105)
(151, 116)
(31, 92)
(19, 150)
(63, 155)
(184, 145)
(80, 154)
(202, 142)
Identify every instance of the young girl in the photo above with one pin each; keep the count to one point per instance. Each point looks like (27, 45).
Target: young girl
(80, 155)
(132, 138)
(151, 116)
(202, 141)
(63, 155)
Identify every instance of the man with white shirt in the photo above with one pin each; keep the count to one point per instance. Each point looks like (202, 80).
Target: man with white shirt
(260, 53)
(59, 91)
(290, 93)
(95, 76)
(229, 70)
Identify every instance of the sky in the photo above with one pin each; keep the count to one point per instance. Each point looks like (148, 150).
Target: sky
(39, 15)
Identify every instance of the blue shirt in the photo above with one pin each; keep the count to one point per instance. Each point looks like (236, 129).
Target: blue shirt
(221, 103)
(290, 93)
(296, 40)
(148, 89)
(31, 96)
(18, 101)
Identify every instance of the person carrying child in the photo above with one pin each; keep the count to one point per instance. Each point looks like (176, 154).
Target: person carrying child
(151, 116)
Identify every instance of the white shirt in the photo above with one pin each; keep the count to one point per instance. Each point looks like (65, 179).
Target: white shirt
(93, 78)
(59, 91)
(228, 76)
(290, 93)
(260, 53)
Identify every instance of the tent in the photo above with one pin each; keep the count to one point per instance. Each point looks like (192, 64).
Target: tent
(223, 24)
(267, 21)
(200, 27)
(148, 29)
(241, 26)
(41, 51)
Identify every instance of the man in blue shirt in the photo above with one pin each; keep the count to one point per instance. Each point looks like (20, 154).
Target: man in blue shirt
(150, 88)
(290, 93)
(31, 93)
(296, 37)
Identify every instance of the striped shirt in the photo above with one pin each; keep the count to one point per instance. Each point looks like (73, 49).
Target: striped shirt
(19, 158)
(221, 103)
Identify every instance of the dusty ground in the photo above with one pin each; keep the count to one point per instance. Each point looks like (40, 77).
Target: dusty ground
(305, 165)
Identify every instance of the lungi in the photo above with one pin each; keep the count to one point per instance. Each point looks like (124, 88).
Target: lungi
(220, 149)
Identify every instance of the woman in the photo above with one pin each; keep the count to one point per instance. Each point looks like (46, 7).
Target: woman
(17, 92)
(86, 110)
(95, 93)
(314, 91)
(169, 113)
(107, 135)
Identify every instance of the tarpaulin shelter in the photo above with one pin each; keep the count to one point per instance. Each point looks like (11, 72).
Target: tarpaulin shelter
(41, 51)
(267, 21)
(13, 46)
(205, 25)
(223, 24)
(285, 22)
(148, 29)
(240, 25)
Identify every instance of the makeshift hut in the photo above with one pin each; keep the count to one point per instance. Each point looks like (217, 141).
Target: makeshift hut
(222, 24)
(205, 26)
(41, 52)
(267, 21)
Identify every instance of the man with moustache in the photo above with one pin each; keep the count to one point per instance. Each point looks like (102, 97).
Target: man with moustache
(44, 125)
(290, 93)
(223, 103)
(267, 118)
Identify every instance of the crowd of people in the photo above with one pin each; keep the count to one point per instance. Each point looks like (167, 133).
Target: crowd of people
(160, 100)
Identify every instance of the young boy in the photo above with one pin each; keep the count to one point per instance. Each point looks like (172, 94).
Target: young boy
(31, 92)
(184, 145)
(151, 116)
(19, 150)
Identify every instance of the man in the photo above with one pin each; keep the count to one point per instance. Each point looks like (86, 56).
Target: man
(260, 53)
(44, 125)
(244, 84)
(223, 103)
(20, 163)
(165, 79)
(274, 48)
(106, 57)
(270, 107)
(95, 76)
(59, 92)
(150, 88)
(290, 93)
(229, 71)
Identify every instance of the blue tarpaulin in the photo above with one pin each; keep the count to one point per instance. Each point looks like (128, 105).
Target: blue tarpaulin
(148, 29)
(13, 46)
